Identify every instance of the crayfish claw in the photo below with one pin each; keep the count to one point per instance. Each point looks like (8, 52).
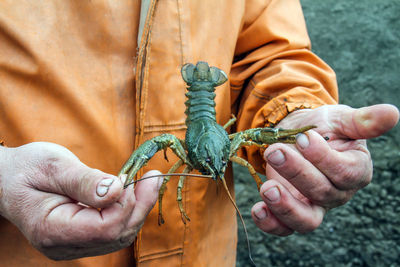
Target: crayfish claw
(165, 154)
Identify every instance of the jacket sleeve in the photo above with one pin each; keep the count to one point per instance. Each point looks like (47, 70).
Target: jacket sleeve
(274, 71)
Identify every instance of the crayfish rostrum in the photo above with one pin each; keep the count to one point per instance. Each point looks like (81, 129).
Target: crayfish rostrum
(207, 146)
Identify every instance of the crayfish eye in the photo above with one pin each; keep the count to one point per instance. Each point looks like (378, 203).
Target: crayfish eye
(223, 162)
(208, 160)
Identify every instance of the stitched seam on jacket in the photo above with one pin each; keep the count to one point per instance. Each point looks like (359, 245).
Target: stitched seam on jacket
(236, 87)
(161, 254)
(166, 128)
(260, 95)
(186, 195)
(165, 125)
(140, 97)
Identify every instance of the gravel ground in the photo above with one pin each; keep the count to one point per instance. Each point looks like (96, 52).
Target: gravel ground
(361, 41)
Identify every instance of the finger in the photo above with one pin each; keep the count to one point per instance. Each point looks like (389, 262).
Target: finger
(72, 223)
(146, 192)
(349, 169)
(121, 211)
(58, 170)
(295, 214)
(366, 122)
(67, 223)
(53, 168)
(267, 222)
(89, 186)
(135, 204)
(303, 175)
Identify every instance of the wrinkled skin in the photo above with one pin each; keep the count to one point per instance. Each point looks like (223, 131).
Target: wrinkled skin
(40, 187)
(307, 179)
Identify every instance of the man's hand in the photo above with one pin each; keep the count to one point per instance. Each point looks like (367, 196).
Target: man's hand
(66, 209)
(307, 179)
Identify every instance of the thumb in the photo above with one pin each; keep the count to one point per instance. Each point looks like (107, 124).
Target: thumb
(51, 168)
(92, 187)
(64, 174)
(146, 193)
(369, 122)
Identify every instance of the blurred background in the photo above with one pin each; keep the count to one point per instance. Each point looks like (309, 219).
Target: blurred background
(360, 40)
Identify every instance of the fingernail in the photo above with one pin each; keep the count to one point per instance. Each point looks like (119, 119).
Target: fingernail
(276, 157)
(103, 186)
(273, 194)
(260, 214)
(302, 140)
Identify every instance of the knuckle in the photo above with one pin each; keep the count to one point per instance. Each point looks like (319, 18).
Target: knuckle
(339, 199)
(319, 157)
(343, 198)
(294, 173)
(354, 175)
(329, 196)
(49, 166)
(284, 212)
(345, 180)
(324, 194)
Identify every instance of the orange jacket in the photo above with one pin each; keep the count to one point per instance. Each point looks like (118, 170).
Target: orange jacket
(74, 73)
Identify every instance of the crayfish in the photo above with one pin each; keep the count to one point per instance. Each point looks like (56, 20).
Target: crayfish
(207, 146)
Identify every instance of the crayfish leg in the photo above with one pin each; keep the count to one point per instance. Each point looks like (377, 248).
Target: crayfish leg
(179, 194)
(264, 136)
(161, 192)
(146, 151)
(230, 122)
(251, 169)
(132, 172)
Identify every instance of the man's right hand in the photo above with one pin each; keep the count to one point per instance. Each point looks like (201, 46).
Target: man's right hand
(66, 209)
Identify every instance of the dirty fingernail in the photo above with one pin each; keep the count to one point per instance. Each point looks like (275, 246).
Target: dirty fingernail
(302, 140)
(103, 186)
(260, 214)
(273, 194)
(276, 157)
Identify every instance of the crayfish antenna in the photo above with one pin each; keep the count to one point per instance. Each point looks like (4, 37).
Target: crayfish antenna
(241, 219)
